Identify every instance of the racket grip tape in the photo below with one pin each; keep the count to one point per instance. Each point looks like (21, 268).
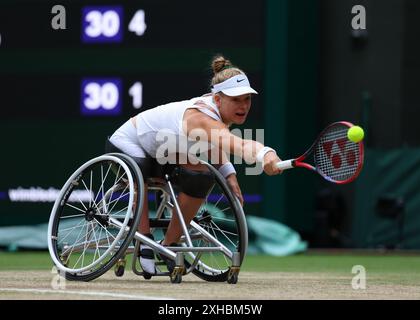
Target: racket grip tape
(287, 164)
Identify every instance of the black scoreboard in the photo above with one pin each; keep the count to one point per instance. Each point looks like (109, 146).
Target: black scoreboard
(64, 89)
(115, 58)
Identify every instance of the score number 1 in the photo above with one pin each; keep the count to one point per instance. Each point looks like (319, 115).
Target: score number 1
(102, 96)
(102, 24)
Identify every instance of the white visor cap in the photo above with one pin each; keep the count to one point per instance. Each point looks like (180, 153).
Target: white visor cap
(234, 86)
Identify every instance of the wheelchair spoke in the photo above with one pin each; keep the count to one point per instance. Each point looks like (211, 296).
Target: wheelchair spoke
(99, 242)
(85, 244)
(221, 197)
(91, 193)
(102, 228)
(102, 185)
(227, 208)
(90, 189)
(81, 202)
(88, 242)
(82, 256)
(107, 232)
(107, 239)
(223, 219)
(101, 189)
(96, 238)
(96, 241)
(71, 230)
(116, 213)
(224, 232)
(211, 253)
(116, 181)
(116, 200)
(77, 239)
(74, 207)
(73, 216)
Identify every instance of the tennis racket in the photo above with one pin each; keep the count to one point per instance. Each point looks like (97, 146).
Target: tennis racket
(334, 156)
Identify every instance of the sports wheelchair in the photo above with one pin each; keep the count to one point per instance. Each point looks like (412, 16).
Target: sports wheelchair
(93, 223)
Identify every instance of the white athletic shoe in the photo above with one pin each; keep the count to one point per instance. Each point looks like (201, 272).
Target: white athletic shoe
(147, 257)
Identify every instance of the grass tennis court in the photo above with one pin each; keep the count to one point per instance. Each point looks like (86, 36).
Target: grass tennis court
(313, 275)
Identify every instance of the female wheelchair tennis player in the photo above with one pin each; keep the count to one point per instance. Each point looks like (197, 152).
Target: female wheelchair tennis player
(198, 225)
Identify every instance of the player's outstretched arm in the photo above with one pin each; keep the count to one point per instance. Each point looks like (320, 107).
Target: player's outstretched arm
(218, 134)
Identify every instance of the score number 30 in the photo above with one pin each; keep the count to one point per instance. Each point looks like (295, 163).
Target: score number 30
(102, 96)
(103, 23)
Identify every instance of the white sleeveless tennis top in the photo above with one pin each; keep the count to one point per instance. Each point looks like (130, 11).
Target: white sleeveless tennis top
(162, 126)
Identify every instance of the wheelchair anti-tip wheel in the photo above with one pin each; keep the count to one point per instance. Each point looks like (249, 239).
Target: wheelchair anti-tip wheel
(95, 216)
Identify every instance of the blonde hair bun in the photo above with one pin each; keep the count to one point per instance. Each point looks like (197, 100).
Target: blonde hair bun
(220, 63)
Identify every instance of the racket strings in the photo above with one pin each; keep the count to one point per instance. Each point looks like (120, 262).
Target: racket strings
(336, 157)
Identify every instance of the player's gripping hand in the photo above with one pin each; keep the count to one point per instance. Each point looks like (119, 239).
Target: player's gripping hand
(270, 161)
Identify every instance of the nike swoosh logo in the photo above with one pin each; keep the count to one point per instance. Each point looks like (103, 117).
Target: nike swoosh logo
(237, 80)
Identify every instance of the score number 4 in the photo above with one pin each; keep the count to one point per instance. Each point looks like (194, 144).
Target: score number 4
(103, 23)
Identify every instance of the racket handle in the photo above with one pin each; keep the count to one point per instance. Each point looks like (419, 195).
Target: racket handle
(283, 165)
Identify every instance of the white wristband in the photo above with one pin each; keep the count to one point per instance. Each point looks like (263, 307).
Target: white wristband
(262, 152)
(227, 169)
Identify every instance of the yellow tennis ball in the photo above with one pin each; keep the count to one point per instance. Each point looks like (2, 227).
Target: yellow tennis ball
(355, 134)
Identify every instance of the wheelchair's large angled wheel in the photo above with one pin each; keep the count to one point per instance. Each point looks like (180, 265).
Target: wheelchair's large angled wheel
(95, 216)
(222, 217)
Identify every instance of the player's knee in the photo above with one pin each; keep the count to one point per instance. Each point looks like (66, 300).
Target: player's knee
(193, 183)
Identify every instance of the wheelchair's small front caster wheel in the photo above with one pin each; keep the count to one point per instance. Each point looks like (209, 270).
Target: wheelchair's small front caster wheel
(177, 278)
(233, 279)
(147, 276)
(119, 268)
(119, 272)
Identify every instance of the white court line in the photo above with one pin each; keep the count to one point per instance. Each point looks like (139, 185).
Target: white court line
(86, 293)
